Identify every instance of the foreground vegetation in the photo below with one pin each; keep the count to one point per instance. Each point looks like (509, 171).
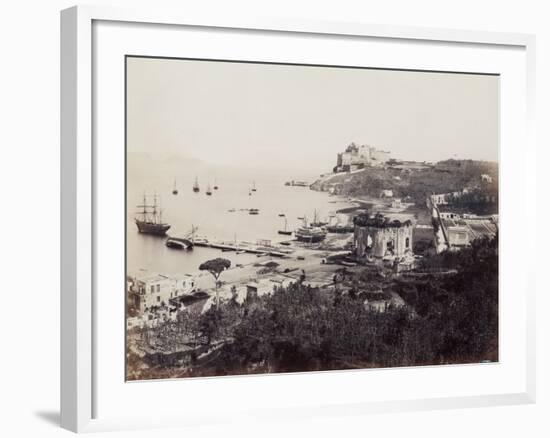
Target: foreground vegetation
(447, 319)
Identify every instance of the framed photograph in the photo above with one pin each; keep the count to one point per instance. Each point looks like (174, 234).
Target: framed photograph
(258, 208)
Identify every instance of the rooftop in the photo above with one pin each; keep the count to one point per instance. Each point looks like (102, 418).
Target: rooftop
(147, 276)
(379, 221)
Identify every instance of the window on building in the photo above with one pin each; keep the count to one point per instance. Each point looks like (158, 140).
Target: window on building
(407, 242)
(158, 298)
(158, 287)
(369, 243)
(153, 288)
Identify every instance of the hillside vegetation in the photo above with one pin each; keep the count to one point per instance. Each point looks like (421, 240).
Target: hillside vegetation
(443, 177)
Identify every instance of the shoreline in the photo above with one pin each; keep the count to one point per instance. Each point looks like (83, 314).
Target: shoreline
(359, 205)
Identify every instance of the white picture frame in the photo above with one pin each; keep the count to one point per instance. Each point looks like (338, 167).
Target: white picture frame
(79, 168)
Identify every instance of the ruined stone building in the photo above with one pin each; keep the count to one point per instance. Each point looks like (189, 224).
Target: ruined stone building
(376, 237)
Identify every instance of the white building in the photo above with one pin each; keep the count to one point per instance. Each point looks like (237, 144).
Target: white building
(440, 199)
(449, 215)
(458, 236)
(149, 290)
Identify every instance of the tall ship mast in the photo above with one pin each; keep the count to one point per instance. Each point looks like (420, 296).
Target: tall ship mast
(286, 231)
(316, 221)
(309, 233)
(149, 218)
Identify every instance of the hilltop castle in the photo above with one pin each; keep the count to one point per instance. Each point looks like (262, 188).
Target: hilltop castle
(355, 157)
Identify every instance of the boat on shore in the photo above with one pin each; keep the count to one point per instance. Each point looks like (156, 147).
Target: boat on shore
(316, 222)
(179, 243)
(254, 211)
(309, 233)
(149, 219)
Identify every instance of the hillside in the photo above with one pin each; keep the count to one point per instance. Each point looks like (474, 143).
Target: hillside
(413, 180)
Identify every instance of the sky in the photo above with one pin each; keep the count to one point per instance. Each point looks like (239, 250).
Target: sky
(288, 116)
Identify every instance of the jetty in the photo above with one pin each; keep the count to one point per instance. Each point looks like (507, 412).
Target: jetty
(260, 248)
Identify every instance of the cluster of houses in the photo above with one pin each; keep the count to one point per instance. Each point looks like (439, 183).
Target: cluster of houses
(455, 230)
(154, 297)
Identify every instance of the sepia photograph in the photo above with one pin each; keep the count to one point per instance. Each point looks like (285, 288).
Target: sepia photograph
(285, 218)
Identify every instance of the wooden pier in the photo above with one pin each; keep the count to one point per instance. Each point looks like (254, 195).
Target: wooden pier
(246, 247)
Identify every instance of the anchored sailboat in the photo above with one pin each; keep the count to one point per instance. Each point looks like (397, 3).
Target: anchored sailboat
(175, 189)
(286, 231)
(149, 219)
(196, 187)
(209, 190)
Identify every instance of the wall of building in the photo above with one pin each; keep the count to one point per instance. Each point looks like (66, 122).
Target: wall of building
(458, 236)
(363, 155)
(378, 157)
(156, 290)
(373, 241)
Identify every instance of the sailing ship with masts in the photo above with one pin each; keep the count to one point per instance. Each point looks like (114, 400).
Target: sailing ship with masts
(196, 187)
(149, 218)
(310, 233)
(209, 190)
(286, 231)
(316, 222)
(175, 189)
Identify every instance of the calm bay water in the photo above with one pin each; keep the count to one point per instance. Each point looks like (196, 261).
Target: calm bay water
(214, 220)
